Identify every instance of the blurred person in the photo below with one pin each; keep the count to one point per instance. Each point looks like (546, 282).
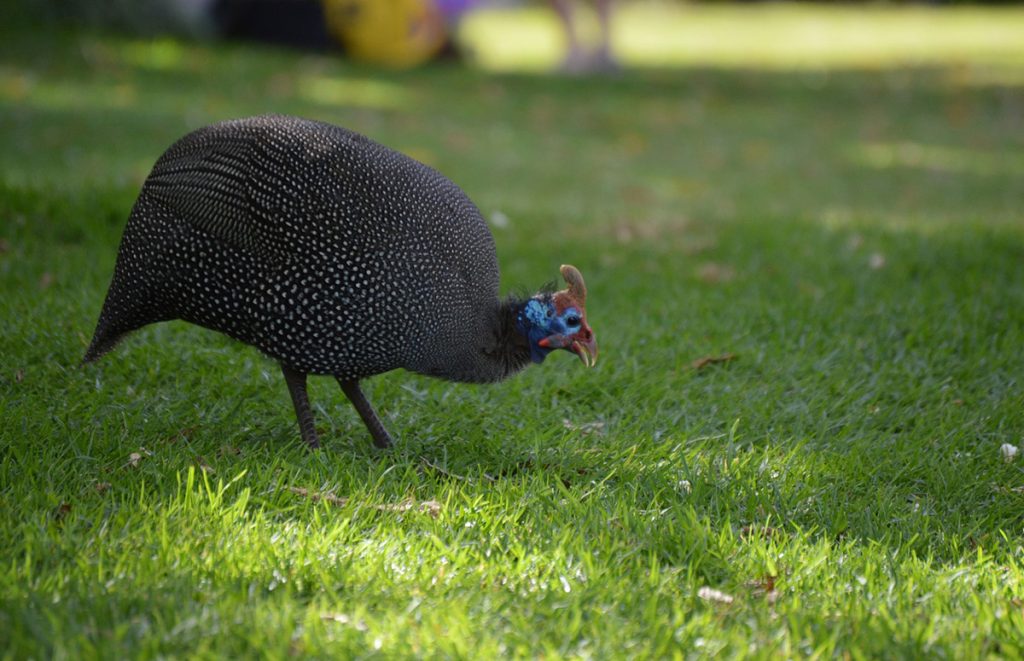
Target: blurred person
(579, 59)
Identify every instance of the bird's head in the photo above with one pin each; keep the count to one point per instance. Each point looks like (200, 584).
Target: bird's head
(559, 321)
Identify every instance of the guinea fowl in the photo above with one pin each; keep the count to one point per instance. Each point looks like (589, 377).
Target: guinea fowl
(333, 255)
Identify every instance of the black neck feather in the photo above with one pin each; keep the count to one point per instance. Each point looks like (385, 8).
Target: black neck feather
(511, 349)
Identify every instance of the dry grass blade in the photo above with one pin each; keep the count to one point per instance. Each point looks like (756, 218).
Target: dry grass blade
(207, 468)
(747, 532)
(431, 507)
(61, 511)
(714, 273)
(447, 473)
(315, 496)
(717, 596)
(596, 427)
(701, 363)
(135, 458)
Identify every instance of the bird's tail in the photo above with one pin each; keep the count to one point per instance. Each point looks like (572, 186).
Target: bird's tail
(113, 323)
(103, 340)
(139, 291)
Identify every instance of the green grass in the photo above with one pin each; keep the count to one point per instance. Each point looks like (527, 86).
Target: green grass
(853, 232)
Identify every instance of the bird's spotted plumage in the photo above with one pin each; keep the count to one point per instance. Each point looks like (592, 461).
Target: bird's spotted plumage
(327, 251)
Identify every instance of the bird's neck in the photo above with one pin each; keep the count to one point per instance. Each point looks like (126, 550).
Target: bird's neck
(493, 351)
(510, 351)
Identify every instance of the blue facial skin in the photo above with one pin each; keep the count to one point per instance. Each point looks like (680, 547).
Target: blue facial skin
(537, 320)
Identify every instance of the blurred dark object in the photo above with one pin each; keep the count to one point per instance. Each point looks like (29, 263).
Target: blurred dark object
(194, 17)
(140, 17)
(293, 23)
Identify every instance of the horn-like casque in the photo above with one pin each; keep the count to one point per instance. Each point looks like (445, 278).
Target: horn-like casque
(577, 288)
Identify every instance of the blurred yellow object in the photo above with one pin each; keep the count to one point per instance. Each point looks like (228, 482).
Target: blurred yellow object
(395, 33)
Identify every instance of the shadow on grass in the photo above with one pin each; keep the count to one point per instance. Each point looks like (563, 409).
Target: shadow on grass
(863, 228)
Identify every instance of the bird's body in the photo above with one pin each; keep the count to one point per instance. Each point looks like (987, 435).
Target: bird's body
(329, 252)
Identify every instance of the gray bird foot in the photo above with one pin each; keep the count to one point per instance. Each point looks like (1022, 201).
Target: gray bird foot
(297, 388)
(381, 438)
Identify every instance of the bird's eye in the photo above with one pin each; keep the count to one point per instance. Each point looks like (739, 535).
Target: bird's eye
(572, 320)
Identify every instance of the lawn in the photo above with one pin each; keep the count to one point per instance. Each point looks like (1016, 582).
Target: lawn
(843, 217)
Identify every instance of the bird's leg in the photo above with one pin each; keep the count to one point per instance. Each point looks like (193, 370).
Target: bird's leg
(381, 438)
(297, 388)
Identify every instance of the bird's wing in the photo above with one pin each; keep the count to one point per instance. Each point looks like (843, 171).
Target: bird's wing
(208, 184)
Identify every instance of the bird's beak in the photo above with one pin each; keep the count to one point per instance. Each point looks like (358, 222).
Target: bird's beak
(586, 350)
(582, 344)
